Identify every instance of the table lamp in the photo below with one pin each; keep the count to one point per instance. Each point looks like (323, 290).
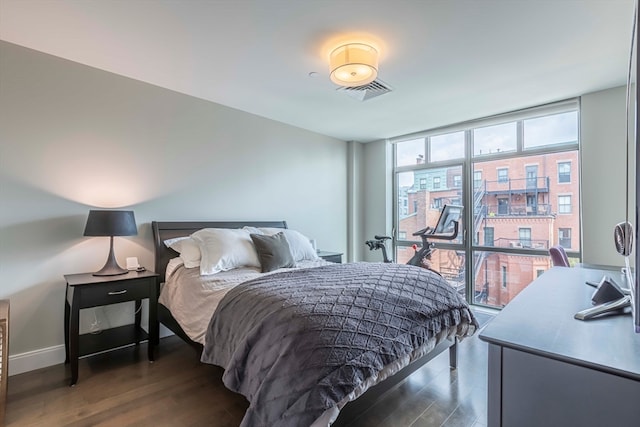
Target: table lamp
(110, 223)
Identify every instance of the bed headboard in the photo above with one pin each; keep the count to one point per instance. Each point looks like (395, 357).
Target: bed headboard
(167, 230)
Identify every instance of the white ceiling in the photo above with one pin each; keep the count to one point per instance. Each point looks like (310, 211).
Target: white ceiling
(447, 61)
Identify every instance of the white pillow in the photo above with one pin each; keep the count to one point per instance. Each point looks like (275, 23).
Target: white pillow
(299, 244)
(188, 249)
(224, 249)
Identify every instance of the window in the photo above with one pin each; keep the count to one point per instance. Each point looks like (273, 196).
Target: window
(515, 170)
(532, 176)
(477, 179)
(532, 205)
(446, 147)
(503, 175)
(495, 139)
(524, 235)
(553, 129)
(539, 272)
(488, 236)
(504, 276)
(410, 152)
(564, 204)
(564, 172)
(564, 237)
(402, 235)
(503, 206)
(423, 183)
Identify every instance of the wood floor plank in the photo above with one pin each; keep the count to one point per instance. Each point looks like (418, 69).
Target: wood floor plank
(121, 388)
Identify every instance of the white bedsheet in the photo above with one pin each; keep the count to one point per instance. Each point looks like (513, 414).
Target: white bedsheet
(193, 298)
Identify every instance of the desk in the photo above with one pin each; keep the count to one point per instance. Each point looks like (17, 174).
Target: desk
(548, 369)
(86, 290)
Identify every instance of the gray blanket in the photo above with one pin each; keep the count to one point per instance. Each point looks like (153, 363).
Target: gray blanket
(296, 343)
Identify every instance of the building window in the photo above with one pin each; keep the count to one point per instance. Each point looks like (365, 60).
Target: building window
(532, 176)
(402, 235)
(504, 276)
(436, 203)
(564, 172)
(532, 205)
(503, 206)
(564, 237)
(415, 206)
(503, 175)
(524, 235)
(423, 183)
(539, 272)
(477, 179)
(436, 182)
(564, 204)
(488, 236)
(457, 181)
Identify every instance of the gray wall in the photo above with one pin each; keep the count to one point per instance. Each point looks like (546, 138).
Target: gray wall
(603, 161)
(73, 138)
(603, 174)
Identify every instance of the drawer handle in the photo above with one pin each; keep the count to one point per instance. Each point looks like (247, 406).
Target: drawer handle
(118, 292)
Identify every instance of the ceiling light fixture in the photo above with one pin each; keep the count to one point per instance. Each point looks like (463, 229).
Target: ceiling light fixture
(353, 64)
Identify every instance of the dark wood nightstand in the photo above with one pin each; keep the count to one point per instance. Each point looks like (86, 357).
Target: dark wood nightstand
(86, 290)
(331, 256)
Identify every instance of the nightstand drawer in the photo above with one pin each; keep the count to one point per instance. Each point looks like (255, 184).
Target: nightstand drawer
(112, 293)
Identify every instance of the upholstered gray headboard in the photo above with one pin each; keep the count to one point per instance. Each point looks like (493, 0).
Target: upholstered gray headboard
(163, 230)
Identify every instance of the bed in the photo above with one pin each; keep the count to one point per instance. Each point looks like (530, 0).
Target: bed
(373, 371)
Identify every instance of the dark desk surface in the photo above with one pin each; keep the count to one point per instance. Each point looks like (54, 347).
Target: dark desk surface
(540, 320)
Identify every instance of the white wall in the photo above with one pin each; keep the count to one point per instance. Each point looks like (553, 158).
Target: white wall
(603, 178)
(603, 161)
(378, 203)
(73, 138)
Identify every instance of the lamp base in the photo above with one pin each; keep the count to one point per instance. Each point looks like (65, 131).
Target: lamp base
(109, 270)
(111, 267)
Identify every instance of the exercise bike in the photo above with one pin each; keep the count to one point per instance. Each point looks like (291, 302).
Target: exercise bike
(446, 229)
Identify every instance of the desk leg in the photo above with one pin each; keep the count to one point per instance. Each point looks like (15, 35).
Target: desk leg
(494, 390)
(73, 337)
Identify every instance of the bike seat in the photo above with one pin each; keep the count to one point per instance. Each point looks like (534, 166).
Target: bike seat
(381, 237)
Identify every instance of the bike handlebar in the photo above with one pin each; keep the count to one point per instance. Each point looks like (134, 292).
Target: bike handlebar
(429, 233)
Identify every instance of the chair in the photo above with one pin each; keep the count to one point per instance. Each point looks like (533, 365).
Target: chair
(559, 256)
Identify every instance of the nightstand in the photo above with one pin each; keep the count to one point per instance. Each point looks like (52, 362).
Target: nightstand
(86, 290)
(331, 256)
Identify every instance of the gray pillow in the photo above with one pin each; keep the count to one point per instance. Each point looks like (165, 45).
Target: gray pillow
(273, 251)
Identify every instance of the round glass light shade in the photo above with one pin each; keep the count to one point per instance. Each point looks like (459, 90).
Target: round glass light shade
(354, 64)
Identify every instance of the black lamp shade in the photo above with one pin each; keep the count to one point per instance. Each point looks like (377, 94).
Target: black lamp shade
(110, 223)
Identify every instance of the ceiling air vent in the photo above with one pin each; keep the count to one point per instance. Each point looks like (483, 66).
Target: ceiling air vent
(368, 91)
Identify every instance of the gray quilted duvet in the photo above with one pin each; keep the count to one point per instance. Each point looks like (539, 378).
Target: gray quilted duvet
(296, 343)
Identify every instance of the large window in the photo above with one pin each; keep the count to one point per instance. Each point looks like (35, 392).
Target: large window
(515, 176)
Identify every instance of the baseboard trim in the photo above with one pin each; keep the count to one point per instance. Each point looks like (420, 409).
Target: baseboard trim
(45, 357)
(36, 359)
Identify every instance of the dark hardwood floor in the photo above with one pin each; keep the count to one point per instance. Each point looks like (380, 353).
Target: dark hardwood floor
(121, 388)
